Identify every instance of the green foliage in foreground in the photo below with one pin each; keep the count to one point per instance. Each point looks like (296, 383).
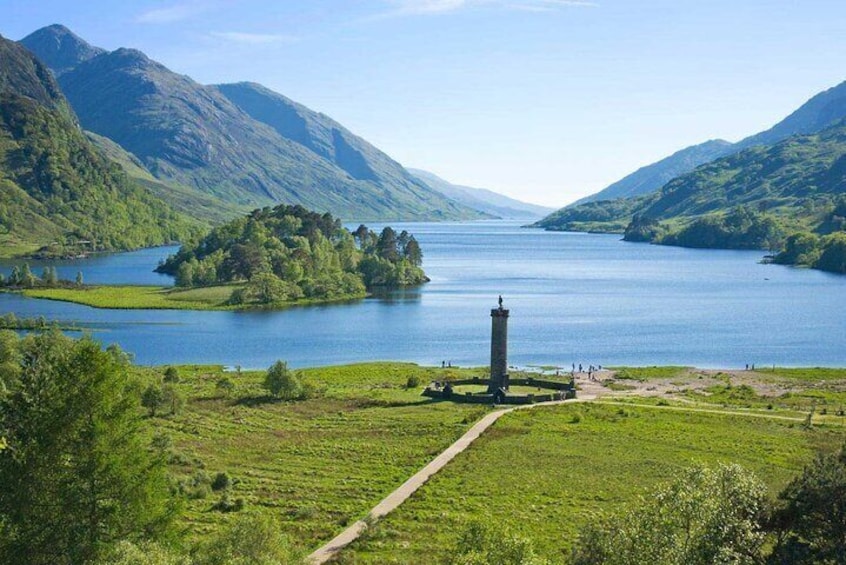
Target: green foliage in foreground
(483, 544)
(811, 514)
(77, 474)
(703, 517)
(288, 253)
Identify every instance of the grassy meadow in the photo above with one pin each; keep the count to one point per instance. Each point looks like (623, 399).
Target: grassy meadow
(158, 297)
(547, 472)
(318, 464)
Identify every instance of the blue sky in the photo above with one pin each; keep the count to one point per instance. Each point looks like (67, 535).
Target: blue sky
(543, 100)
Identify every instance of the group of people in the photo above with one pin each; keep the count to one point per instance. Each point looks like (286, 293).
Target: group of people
(591, 370)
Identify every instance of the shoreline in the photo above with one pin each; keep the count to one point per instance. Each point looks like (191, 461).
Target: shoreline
(150, 297)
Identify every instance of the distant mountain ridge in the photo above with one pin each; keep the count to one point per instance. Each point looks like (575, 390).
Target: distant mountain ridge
(56, 189)
(482, 199)
(652, 177)
(824, 110)
(821, 111)
(242, 143)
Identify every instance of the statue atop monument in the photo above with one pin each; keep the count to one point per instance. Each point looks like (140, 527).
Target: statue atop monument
(500, 302)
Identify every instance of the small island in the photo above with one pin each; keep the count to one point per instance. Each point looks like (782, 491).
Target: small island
(270, 258)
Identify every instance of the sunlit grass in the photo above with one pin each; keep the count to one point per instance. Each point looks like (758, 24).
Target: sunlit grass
(548, 472)
(317, 464)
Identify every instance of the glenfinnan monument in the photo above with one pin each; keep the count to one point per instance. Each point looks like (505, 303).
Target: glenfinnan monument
(499, 349)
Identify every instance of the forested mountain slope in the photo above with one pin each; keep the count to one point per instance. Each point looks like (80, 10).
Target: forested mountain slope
(56, 189)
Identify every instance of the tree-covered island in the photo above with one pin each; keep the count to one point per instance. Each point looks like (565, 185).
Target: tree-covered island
(288, 253)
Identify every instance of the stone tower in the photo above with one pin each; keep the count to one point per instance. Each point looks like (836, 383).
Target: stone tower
(499, 349)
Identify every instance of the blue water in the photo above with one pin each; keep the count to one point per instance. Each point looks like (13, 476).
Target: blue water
(574, 298)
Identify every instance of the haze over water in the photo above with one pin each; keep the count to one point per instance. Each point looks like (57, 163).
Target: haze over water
(574, 298)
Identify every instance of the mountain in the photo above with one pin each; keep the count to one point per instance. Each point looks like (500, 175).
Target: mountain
(799, 180)
(22, 75)
(797, 174)
(56, 188)
(195, 136)
(823, 110)
(608, 210)
(188, 201)
(59, 48)
(482, 199)
(790, 196)
(652, 177)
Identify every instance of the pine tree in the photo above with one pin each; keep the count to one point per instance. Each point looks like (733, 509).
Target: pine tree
(77, 474)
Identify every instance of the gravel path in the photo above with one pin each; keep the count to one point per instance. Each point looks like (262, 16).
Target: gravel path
(393, 500)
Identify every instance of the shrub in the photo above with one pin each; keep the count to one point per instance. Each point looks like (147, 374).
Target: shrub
(250, 539)
(221, 481)
(171, 375)
(225, 386)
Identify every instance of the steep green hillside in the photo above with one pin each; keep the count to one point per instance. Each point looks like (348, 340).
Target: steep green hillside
(791, 178)
(820, 112)
(56, 189)
(601, 216)
(798, 180)
(189, 134)
(189, 201)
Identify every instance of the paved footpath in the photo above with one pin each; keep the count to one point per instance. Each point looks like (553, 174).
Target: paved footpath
(405, 490)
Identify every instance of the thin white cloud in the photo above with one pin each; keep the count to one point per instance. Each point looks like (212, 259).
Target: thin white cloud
(436, 7)
(169, 14)
(253, 38)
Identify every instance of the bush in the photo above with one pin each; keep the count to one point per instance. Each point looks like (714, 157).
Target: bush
(412, 382)
(221, 481)
(480, 544)
(705, 516)
(225, 386)
(171, 375)
(284, 384)
(226, 504)
(251, 539)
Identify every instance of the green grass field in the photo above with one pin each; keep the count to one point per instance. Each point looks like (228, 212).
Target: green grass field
(547, 472)
(318, 464)
(156, 297)
(12, 247)
(132, 297)
(321, 464)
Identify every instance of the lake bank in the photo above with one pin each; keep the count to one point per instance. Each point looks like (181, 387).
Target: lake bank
(129, 297)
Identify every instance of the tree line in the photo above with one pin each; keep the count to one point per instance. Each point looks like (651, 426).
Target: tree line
(744, 228)
(23, 277)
